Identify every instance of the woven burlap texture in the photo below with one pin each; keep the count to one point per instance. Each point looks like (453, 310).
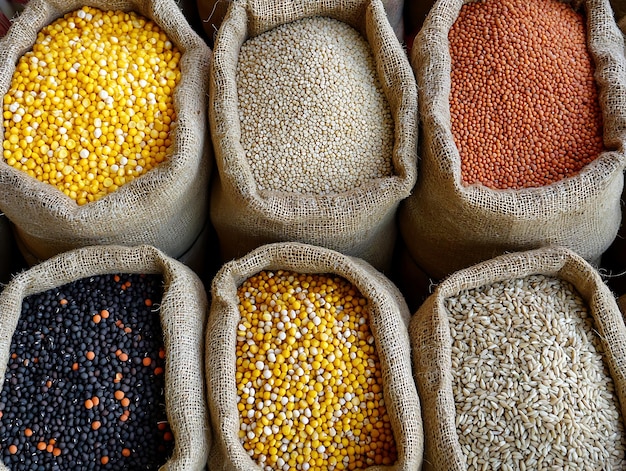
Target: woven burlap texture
(166, 207)
(183, 313)
(360, 222)
(212, 13)
(389, 317)
(448, 226)
(431, 342)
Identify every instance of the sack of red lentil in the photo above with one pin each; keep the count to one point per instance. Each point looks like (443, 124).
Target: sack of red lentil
(124, 109)
(522, 147)
(212, 13)
(308, 365)
(313, 117)
(105, 344)
(520, 364)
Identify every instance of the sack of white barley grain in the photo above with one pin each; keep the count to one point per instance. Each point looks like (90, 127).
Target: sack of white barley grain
(520, 364)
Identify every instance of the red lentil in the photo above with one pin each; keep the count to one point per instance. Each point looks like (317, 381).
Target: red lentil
(523, 103)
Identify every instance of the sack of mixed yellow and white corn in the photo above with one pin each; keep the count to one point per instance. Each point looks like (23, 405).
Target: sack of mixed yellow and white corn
(121, 361)
(308, 365)
(313, 118)
(520, 364)
(520, 149)
(105, 132)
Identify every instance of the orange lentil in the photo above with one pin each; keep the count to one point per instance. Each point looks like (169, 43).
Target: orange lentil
(124, 417)
(125, 452)
(89, 404)
(119, 395)
(148, 302)
(75, 366)
(161, 353)
(63, 301)
(95, 400)
(28, 432)
(523, 101)
(90, 355)
(49, 447)
(41, 446)
(123, 357)
(146, 361)
(158, 371)
(95, 425)
(116, 278)
(12, 449)
(167, 436)
(97, 318)
(104, 460)
(125, 402)
(56, 451)
(104, 313)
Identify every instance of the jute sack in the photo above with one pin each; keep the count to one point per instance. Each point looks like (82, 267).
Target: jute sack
(212, 13)
(183, 318)
(389, 317)
(166, 207)
(431, 340)
(360, 222)
(448, 226)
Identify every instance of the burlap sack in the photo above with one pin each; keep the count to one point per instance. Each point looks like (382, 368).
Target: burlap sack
(212, 13)
(431, 342)
(360, 222)
(389, 318)
(167, 207)
(183, 317)
(448, 226)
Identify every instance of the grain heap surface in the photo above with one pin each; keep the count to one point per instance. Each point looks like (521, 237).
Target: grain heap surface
(90, 107)
(530, 385)
(84, 384)
(523, 102)
(309, 383)
(314, 118)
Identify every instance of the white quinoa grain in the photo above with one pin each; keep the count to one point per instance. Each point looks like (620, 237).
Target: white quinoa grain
(530, 385)
(313, 115)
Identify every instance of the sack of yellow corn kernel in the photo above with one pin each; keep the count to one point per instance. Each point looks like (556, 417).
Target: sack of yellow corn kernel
(520, 364)
(308, 365)
(212, 13)
(120, 329)
(313, 117)
(517, 153)
(105, 139)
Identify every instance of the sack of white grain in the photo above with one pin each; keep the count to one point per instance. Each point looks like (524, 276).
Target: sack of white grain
(520, 364)
(108, 130)
(313, 117)
(181, 308)
(308, 365)
(212, 13)
(512, 158)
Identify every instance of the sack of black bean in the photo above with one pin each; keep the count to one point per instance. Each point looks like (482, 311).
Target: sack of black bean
(101, 363)
(313, 117)
(308, 365)
(520, 364)
(105, 136)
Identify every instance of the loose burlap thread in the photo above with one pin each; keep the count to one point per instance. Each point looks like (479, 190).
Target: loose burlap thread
(183, 312)
(167, 207)
(448, 226)
(389, 317)
(360, 222)
(432, 344)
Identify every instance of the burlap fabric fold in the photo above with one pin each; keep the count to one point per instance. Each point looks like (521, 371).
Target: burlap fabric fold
(448, 226)
(212, 14)
(360, 222)
(389, 317)
(431, 340)
(183, 317)
(168, 206)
